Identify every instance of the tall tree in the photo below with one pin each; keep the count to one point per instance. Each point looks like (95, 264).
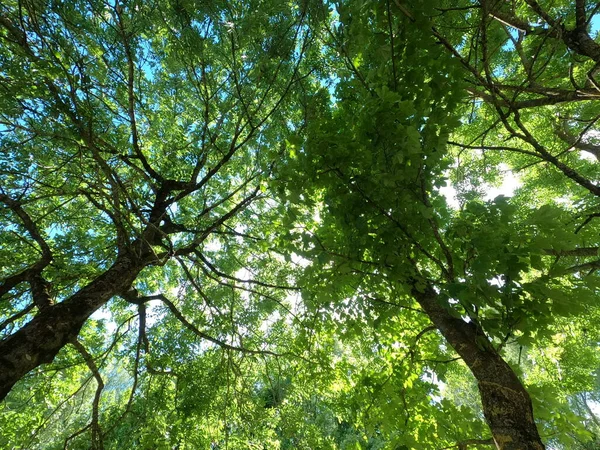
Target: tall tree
(486, 272)
(134, 137)
(531, 70)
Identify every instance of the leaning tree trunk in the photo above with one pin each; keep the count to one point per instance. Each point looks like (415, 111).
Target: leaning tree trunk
(41, 339)
(506, 404)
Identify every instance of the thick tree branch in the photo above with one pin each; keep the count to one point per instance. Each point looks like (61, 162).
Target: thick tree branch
(577, 39)
(40, 340)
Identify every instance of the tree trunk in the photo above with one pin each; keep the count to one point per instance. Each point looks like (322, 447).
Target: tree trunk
(41, 339)
(506, 404)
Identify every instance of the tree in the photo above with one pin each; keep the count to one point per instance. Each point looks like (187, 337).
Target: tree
(482, 274)
(136, 138)
(531, 69)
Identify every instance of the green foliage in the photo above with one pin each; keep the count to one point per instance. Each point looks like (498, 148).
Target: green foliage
(279, 171)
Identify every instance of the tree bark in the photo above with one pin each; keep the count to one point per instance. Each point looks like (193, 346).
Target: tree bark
(506, 404)
(39, 341)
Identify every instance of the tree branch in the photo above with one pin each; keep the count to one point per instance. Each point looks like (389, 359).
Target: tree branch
(201, 334)
(97, 442)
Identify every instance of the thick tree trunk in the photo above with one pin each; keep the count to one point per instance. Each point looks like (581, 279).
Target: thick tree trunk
(40, 340)
(506, 404)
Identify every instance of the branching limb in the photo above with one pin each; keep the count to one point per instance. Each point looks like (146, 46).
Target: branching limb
(202, 334)
(239, 280)
(577, 142)
(126, 39)
(39, 286)
(97, 441)
(494, 148)
(354, 187)
(146, 343)
(200, 237)
(436, 233)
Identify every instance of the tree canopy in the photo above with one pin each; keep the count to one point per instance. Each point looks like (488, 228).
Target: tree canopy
(260, 224)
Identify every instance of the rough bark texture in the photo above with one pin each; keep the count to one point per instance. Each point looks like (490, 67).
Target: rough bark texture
(40, 340)
(506, 404)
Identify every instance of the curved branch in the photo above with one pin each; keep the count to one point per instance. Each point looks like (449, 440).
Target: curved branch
(239, 280)
(97, 442)
(202, 334)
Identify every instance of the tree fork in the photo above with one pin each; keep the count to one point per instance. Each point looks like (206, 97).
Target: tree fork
(506, 404)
